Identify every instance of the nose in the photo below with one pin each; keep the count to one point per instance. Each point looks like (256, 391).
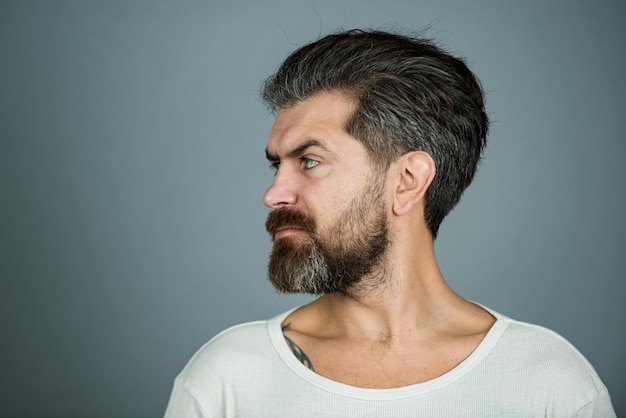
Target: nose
(281, 193)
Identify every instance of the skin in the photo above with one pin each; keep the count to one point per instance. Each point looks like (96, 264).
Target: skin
(403, 328)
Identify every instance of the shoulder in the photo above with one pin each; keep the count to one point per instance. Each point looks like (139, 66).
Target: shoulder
(539, 344)
(236, 336)
(545, 360)
(234, 352)
(229, 349)
(233, 359)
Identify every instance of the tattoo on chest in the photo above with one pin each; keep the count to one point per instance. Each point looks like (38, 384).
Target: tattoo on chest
(296, 350)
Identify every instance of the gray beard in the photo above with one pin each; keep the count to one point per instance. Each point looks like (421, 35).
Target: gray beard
(308, 272)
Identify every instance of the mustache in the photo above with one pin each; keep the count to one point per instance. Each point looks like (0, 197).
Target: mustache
(280, 218)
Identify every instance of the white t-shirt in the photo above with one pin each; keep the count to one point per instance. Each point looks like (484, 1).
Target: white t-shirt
(518, 370)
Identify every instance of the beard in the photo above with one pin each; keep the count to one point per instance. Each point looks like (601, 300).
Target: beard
(331, 260)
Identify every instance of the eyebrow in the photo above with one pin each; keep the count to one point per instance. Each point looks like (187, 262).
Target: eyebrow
(297, 151)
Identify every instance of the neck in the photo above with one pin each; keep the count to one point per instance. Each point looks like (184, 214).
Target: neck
(404, 297)
(406, 293)
(400, 324)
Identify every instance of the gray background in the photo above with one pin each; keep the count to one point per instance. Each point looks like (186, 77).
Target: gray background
(132, 170)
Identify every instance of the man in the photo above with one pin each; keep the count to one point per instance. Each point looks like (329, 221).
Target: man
(375, 139)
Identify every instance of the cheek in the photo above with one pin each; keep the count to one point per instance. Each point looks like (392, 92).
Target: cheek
(329, 203)
(336, 222)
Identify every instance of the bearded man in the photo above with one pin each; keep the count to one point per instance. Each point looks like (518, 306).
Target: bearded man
(376, 137)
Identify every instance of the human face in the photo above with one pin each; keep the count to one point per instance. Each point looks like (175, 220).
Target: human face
(329, 219)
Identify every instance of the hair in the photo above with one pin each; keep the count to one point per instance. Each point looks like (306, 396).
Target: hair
(409, 95)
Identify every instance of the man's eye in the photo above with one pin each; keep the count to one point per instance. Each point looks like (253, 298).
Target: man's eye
(308, 163)
(274, 167)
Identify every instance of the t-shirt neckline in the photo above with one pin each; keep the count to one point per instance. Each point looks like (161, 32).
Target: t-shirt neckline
(478, 355)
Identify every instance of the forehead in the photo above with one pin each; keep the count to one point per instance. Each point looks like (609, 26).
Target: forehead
(322, 117)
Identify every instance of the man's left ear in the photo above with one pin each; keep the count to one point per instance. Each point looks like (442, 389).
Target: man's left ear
(416, 170)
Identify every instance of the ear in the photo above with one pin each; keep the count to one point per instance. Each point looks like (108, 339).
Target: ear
(416, 170)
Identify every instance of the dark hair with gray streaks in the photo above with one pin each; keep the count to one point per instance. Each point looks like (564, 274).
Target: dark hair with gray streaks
(410, 95)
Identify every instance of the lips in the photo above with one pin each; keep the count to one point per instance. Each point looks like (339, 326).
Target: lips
(287, 230)
(283, 222)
